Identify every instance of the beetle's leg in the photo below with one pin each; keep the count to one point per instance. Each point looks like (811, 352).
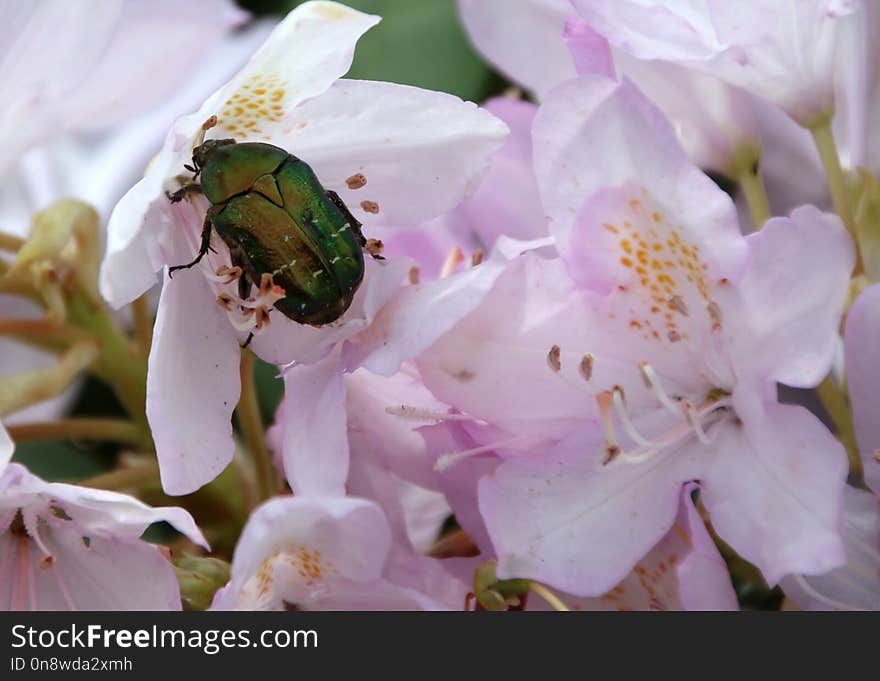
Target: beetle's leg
(184, 191)
(248, 341)
(203, 248)
(240, 260)
(349, 218)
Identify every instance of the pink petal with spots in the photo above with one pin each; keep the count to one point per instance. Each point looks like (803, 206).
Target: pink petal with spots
(593, 133)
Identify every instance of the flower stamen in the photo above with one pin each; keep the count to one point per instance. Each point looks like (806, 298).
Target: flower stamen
(417, 414)
(653, 383)
(444, 461)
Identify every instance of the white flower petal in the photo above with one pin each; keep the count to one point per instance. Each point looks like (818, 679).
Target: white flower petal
(192, 384)
(315, 442)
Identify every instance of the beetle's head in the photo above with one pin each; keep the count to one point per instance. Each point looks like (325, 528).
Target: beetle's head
(203, 151)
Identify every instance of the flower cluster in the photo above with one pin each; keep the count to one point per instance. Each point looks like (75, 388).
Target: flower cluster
(559, 351)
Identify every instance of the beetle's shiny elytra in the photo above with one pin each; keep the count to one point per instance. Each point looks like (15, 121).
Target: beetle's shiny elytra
(276, 218)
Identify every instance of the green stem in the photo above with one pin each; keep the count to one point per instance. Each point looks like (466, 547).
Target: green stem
(110, 430)
(251, 423)
(823, 137)
(752, 185)
(124, 478)
(143, 323)
(119, 363)
(837, 406)
(43, 333)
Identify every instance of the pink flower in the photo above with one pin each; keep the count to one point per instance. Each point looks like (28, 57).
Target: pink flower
(648, 356)
(315, 447)
(683, 571)
(420, 153)
(856, 585)
(328, 554)
(64, 547)
(714, 121)
(781, 51)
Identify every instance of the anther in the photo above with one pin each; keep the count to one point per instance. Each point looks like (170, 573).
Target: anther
(586, 366)
(553, 359)
(262, 317)
(476, 257)
(673, 336)
(453, 260)
(677, 303)
(605, 400)
(414, 273)
(224, 300)
(374, 247)
(46, 561)
(227, 275)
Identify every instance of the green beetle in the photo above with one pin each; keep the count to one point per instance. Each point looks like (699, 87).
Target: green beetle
(276, 218)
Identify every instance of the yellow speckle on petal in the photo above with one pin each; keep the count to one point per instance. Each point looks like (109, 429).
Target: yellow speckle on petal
(256, 105)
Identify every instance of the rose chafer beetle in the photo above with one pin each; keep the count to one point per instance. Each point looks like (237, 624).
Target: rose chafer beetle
(272, 212)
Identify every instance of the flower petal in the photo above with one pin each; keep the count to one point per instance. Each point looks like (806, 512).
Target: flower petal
(142, 234)
(574, 525)
(192, 384)
(782, 51)
(420, 151)
(862, 367)
(791, 308)
(133, 76)
(325, 539)
(774, 488)
(856, 585)
(593, 133)
(303, 56)
(419, 314)
(590, 51)
(315, 441)
(501, 32)
(7, 447)
(108, 574)
(703, 577)
(507, 201)
(391, 439)
(493, 363)
(287, 341)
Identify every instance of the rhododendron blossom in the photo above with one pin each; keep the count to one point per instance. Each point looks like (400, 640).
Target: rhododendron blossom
(288, 95)
(647, 356)
(325, 554)
(72, 548)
